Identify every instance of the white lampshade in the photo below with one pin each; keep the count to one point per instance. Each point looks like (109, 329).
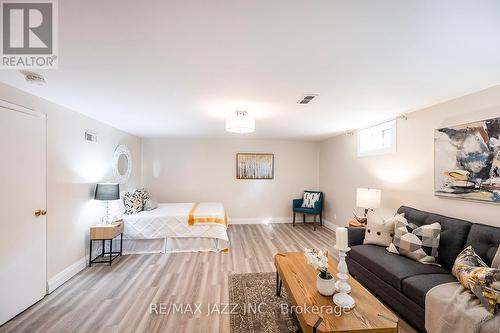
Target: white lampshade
(368, 198)
(240, 122)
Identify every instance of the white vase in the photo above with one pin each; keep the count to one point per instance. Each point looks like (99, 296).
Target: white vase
(326, 287)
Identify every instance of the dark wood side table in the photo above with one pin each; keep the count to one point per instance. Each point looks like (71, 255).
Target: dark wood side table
(106, 232)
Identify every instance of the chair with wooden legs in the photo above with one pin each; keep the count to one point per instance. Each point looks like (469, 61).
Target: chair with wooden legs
(316, 210)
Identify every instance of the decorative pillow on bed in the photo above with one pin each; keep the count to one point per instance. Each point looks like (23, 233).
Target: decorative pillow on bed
(379, 231)
(417, 243)
(309, 199)
(150, 204)
(134, 201)
(476, 276)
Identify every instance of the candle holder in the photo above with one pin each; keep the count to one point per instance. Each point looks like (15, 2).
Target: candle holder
(342, 298)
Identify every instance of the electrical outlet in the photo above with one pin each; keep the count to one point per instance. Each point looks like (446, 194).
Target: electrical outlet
(334, 216)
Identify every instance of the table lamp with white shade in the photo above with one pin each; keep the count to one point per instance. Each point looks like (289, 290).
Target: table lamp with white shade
(368, 198)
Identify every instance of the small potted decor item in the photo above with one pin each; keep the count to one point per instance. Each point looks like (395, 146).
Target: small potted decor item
(325, 283)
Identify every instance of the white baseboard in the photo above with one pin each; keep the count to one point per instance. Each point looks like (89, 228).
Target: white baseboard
(66, 274)
(260, 220)
(330, 225)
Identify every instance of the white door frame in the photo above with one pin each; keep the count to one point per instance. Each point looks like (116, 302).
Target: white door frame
(19, 108)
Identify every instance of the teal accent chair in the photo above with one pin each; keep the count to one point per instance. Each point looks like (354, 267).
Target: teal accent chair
(316, 210)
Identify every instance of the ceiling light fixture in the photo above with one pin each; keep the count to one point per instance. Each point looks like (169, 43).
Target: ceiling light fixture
(240, 122)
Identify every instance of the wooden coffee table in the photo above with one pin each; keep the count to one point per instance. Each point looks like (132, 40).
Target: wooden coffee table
(299, 279)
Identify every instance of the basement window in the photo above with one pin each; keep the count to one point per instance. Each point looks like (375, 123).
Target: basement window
(378, 139)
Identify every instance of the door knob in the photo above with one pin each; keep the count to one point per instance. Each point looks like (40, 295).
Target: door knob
(40, 212)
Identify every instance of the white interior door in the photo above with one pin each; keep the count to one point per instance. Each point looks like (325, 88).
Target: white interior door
(22, 192)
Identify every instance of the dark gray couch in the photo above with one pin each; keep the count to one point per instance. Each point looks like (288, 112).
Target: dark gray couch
(402, 282)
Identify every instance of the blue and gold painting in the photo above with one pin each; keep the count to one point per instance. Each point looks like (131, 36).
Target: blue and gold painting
(467, 161)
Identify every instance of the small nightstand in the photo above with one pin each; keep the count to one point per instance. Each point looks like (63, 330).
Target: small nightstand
(353, 223)
(104, 232)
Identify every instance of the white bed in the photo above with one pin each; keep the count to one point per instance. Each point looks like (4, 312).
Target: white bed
(166, 229)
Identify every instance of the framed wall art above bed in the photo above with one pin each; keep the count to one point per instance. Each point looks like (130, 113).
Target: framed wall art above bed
(254, 166)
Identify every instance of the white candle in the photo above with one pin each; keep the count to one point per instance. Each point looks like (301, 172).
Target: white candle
(341, 234)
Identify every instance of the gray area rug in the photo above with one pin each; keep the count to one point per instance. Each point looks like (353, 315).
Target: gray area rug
(247, 290)
(246, 293)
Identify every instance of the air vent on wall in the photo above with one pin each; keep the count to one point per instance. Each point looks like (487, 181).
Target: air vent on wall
(90, 137)
(33, 77)
(307, 98)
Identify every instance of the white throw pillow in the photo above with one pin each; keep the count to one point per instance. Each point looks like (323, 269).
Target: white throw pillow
(379, 231)
(309, 199)
(150, 204)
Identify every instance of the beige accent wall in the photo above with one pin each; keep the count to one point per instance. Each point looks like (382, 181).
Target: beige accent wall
(205, 170)
(73, 168)
(406, 177)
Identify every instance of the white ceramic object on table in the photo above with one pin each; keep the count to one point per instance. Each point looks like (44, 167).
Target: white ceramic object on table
(326, 287)
(342, 297)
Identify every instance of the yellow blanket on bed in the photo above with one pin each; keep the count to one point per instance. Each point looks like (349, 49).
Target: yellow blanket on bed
(207, 213)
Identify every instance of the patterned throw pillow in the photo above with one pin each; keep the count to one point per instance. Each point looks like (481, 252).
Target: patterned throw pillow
(309, 199)
(134, 201)
(476, 276)
(379, 231)
(418, 243)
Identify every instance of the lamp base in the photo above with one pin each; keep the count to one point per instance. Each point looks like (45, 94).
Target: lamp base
(105, 218)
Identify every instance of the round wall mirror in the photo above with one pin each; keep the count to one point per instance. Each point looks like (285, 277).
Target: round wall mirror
(122, 164)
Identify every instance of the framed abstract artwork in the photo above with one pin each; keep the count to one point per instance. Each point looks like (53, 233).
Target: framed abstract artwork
(467, 161)
(254, 166)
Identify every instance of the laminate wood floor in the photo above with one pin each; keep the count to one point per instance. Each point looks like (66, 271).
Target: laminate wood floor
(119, 298)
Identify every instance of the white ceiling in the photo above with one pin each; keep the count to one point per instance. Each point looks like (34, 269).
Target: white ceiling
(177, 68)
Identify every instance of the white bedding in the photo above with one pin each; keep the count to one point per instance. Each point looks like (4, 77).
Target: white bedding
(170, 222)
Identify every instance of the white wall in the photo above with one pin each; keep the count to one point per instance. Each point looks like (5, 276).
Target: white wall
(73, 168)
(406, 177)
(205, 170)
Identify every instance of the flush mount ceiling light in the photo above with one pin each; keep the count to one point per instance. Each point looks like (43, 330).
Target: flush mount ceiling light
(240, 122)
